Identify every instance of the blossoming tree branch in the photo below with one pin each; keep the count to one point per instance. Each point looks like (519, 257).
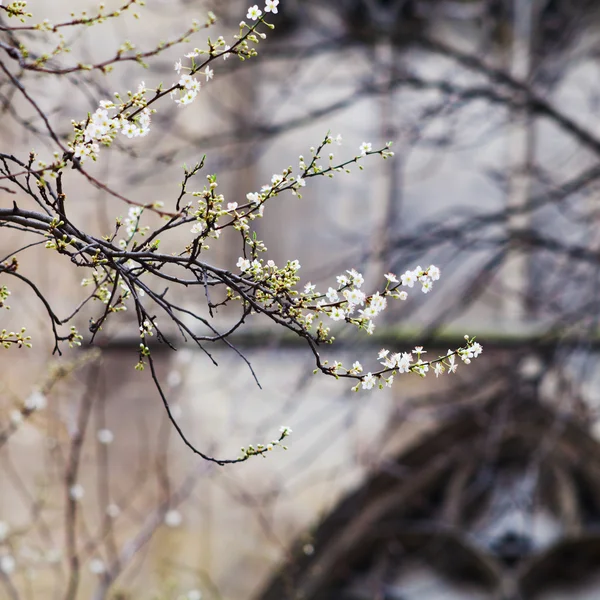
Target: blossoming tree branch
(126, 269)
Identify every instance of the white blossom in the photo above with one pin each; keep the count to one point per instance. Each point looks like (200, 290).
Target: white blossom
(194, 85)
(357, 278)
(354, 296)
(243, 264)
(368, 312)
(337, 313)
(185, 80)
(434, 272)
(408, 278)
(254, 13)
(421, 367)
(404, 362)
(368, 381)
(271, 6)
(377, 302)
(187, 98)
(364, 148)
(130, 130)
(197, 227)
(474, 351)
(331, 295)
(452, 364)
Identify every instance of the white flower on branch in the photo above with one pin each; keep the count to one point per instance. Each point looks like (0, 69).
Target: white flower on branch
(271, 6)
(254, 13)
(243, 264)
(337, 313)
(368, 381)
(121, 271)
(364, 148)
(331, 295)
(408, 279)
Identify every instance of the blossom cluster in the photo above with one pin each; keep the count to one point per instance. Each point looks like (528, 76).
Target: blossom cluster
(255, 13)
(262, 449)
(122, 269)
(345, 302)
(409, 362)
(348, 302)
(132, 225)
(100, 128)
(133, 115)
(209, 210)
(188, 86)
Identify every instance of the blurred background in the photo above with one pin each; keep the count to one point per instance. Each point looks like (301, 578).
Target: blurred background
(480, 485)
